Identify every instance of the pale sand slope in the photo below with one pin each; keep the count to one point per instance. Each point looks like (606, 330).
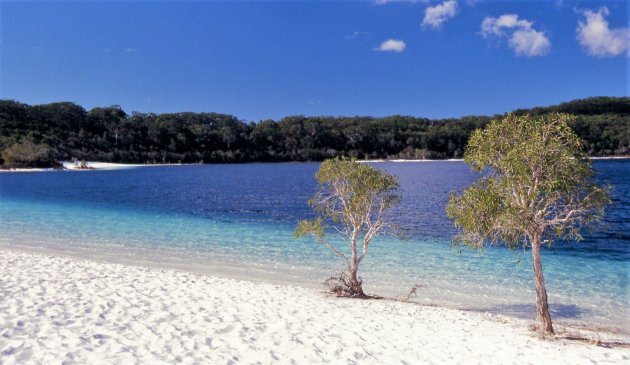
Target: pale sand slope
(60, 310)
(91, 165)
(108, 165)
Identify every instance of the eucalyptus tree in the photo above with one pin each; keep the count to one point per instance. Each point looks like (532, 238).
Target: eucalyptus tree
(537, 187)
(352, 200)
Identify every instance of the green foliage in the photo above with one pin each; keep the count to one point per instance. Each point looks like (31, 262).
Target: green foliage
(538, 187)
(353, 197)
(350, 191)
(28, 154)
(316, 227)
(109, 134)
(538, 184)
(355, 200)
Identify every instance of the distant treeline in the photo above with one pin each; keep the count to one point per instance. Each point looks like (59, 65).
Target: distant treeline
(38, 135)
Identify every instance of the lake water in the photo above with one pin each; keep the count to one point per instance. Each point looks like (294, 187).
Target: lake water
(237, 220)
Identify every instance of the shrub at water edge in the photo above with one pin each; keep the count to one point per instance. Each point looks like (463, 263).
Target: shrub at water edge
(354, 200)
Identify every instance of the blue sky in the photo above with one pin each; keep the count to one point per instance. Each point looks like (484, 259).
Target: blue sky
(260, 60)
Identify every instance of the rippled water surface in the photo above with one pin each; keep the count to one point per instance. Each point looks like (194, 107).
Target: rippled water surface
(238, 219)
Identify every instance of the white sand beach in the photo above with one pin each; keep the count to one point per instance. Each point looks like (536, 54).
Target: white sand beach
(93, 165)
(57, 310)
(88, 166)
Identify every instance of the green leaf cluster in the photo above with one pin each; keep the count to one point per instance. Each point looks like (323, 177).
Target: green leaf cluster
(353, 200)
(537, 185)
(348, 189)
(26, 154)
(316, 227)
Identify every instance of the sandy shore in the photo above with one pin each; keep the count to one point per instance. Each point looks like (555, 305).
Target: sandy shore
(63, 310)
(91, 165)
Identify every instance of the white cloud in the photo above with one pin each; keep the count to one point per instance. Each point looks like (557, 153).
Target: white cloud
(529, 42)
(383, 2)
(435, 16)
(598, 39)
(392, 45)
(523, 38)
(495, 26)
(130, 50)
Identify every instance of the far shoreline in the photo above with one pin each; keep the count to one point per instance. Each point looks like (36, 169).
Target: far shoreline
(103, 166)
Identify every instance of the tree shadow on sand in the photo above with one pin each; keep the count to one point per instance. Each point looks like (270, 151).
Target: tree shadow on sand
(566, 311)
(560, 311)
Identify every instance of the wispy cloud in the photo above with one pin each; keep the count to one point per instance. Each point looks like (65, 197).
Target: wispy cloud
(383, 2)
(358, 34)
(130, 50)
(523, 38)
(598, 39)
(496, 26)
(392, 45)
(435, 16)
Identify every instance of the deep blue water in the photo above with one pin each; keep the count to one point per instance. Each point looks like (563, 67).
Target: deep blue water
(238, 220)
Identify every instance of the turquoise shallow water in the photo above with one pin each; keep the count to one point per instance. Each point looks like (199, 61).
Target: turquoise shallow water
(237, 220)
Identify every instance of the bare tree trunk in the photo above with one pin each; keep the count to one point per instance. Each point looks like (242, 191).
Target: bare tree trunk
(542, 307)
(355, 284)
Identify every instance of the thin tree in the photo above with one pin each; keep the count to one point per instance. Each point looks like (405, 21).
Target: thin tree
(537, 187)
(353, 200)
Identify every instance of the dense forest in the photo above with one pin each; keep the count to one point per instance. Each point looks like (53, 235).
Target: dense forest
(40, 135)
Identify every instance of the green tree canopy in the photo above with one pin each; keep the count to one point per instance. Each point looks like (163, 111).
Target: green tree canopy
(354, 200)
(110, 134)
(537, 187)
(28, 154)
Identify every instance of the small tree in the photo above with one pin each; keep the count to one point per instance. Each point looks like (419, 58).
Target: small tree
(354, 200)
(538, 187)
(28, 154)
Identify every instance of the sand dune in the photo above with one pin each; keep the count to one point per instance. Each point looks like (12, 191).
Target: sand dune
(62, 310)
